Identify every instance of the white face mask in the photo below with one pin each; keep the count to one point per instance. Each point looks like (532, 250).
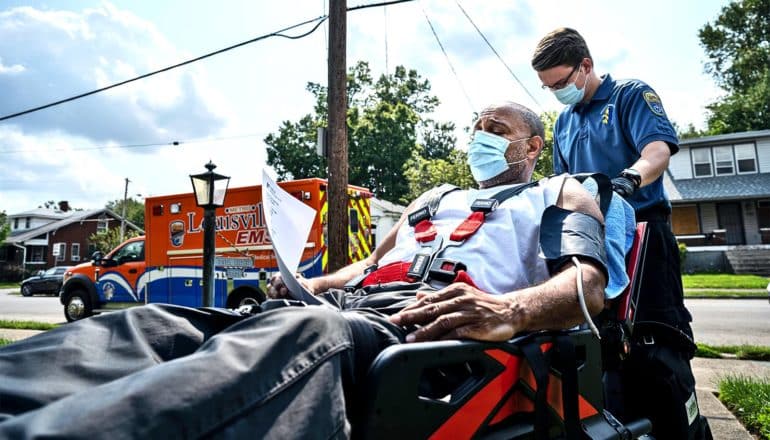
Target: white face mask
(570, 94)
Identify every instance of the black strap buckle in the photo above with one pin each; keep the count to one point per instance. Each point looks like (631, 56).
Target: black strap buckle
(484, 205)
(445, 270)
(420, 264)
(419, 215)
(357, 281)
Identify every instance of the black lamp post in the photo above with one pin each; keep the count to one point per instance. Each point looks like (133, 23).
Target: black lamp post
(210, 189)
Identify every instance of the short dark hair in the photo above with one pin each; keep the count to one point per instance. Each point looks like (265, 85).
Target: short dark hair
(530, 119)
(562, 46)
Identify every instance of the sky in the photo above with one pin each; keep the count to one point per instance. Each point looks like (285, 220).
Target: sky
(157, 131)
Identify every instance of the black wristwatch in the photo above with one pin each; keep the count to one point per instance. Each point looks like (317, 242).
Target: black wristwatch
(632, 175)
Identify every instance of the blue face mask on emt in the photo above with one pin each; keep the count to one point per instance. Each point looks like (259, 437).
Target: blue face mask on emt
(486, 155)
(570, 94)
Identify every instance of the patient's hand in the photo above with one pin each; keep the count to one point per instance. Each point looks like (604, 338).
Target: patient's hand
(276, 288)
(459, 311)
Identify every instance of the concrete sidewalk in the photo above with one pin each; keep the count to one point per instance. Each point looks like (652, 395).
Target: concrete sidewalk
(707, 373)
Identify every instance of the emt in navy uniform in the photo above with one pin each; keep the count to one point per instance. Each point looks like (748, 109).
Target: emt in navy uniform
(619, 128)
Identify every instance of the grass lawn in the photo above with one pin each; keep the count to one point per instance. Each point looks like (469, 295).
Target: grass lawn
(745, 293)
(748, 399)
(743, 352)
(724, 281)
(26, 325)
(5, 285)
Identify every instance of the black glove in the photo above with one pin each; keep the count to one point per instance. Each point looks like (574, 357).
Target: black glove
(627, 182)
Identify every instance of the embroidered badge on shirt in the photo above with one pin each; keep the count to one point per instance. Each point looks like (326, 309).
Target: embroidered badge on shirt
(607, 113)
(653, 102)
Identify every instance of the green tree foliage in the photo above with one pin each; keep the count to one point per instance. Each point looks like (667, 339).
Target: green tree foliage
(737, 46)
(544, 166)
(109, 239)
(423, 174)
(5, 227)
(134, 210)
(387, 122)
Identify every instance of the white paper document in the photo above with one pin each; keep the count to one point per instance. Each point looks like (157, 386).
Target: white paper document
(288, 222)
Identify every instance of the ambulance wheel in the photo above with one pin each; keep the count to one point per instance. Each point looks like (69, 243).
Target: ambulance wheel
(244, 296)
(77, 306)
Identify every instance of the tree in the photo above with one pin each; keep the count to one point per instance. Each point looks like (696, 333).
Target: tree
(544, 166)
(737, 46)
(386, 121)
(109, 239)
(134, 210)
(5, 227)
(423, 174)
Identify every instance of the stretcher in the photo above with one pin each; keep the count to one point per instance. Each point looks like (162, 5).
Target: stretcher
(541, 385)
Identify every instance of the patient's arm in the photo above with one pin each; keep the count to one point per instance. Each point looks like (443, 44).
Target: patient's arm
(338, 279)
(460, 311)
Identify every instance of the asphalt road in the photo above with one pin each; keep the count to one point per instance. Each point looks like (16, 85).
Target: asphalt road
(715, 321)
(730, 321)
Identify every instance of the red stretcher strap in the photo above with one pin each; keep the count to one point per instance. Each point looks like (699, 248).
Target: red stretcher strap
(424, 231)
(468, 227)
(389, 273)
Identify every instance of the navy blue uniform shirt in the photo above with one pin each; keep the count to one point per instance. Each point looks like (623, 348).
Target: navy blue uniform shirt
(607, 135)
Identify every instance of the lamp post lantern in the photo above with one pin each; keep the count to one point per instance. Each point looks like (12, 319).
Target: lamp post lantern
(209, 189)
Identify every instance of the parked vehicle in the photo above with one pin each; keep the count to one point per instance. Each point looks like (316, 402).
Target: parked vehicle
(165, 265)
(48, 281)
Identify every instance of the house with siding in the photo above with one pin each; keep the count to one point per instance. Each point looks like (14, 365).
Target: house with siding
(43, 238)
(719, 187)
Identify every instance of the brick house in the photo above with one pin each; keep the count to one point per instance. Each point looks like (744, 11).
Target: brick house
(42, 238)
(719, 187)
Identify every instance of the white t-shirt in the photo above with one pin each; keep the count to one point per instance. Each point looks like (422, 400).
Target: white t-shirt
(502, 255)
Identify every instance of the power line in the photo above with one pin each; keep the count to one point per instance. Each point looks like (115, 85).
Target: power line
(158, 144)
(146, 75)
(451, 67)
(498, 55)
(278, 33)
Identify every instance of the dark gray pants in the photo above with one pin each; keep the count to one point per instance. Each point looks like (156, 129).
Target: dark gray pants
(162, 371)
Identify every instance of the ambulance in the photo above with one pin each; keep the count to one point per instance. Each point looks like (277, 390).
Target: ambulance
(166, 264)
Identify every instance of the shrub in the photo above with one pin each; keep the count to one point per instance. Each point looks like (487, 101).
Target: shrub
(682, 256)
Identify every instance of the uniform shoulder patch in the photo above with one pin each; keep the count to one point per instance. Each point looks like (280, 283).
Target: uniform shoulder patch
(653, 102)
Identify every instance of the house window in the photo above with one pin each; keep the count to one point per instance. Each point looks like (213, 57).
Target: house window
(27, 223)
(16, 223)
(36, 254)
(763, 213)
(684, 220)
(723, 160)
(101, 225)
(745, 157)
(75, 255)
(60, 251)
(701, 161)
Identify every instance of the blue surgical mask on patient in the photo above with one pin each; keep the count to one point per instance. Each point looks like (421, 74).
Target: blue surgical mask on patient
(486, 155)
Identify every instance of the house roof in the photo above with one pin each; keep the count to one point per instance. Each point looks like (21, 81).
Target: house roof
(76, 216)
(386, 206)
(742, 186)
(730, 137)
(42, 213)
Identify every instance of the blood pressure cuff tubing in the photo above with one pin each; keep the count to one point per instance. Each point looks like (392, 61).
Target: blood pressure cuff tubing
(565, 234)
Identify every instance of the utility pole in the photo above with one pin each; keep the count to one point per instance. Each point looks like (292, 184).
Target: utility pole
(337, 221)
(123, 214)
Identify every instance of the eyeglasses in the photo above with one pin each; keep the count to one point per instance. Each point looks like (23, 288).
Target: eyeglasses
(563, 83)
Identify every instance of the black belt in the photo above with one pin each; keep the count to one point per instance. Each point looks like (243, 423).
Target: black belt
(656, 213)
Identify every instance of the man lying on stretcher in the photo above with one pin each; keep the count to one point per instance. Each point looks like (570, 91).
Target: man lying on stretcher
(484, 248)
(464, 264)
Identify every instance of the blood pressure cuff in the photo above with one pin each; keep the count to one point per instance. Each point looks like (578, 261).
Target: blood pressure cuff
(565, 234)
